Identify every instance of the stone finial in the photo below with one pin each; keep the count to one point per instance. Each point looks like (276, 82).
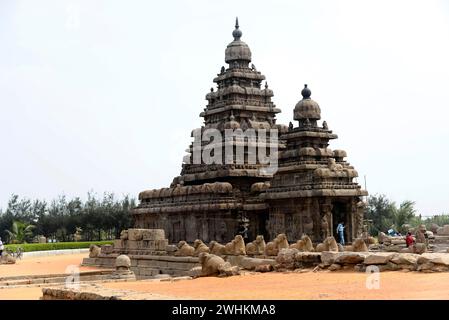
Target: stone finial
(266, 85)
(306, 93)
(237, 33)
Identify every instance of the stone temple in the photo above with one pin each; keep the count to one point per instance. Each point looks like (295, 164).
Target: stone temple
(311, 191)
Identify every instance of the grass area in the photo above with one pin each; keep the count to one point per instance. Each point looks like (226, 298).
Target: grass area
(28, 247)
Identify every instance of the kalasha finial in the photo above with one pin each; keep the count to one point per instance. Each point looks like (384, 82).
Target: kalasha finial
(236, 33)
(306, 93)
(266, 85)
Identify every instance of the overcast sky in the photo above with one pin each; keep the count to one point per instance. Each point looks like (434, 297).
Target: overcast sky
(103, 95)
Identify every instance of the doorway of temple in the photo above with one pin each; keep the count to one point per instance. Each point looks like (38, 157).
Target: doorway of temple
(339, 215)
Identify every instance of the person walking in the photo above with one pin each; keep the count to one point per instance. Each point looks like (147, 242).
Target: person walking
(340, 232)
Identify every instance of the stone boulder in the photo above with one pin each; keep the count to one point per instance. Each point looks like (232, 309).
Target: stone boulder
(306, 259)
(405, 258)
(434, 227)
(329, 257)
(264, 268)
(350, 258)
(252, 263)
(419, 248)
(359, 245)
(286, 259)
(378, 258)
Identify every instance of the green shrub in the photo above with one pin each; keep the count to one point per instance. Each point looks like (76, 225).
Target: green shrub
(28, 247)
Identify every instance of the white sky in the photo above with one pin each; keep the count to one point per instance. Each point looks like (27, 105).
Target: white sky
(103, 95)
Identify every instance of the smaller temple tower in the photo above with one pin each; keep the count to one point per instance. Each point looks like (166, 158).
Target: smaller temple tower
(313, 189)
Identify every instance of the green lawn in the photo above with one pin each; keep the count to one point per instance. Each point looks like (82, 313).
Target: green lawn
(28, 247)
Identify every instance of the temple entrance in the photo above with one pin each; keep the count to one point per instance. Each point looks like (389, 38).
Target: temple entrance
(339, 215)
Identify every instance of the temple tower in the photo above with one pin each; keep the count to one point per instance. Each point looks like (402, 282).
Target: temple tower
(313, 189)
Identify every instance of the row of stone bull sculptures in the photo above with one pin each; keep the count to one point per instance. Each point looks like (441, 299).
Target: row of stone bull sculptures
(259, 247)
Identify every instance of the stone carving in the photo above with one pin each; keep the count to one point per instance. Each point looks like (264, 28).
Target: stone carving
(257, 247)
(122, 268)
(236, 247)
(329, 244)
(184, 249)
(199, 247)
(94, 251)
(124, 235)
(280, 242)
(212, 265)
(217, 248)
(304, 244)
(359, 245)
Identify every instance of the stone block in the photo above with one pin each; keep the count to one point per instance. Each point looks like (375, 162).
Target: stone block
(328, 257)
(135, 234)
(378, 258)
(308, 257)
(134, 244)
(251, 263)
(119, 244)
(405, 258)
(350, 258)
(334, 267)
(153, 234)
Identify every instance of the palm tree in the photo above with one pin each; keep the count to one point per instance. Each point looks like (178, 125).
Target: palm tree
(20, 232)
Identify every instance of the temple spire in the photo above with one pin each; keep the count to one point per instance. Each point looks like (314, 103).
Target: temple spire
(237, 33)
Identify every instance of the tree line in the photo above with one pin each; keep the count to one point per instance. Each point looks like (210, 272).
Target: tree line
(385, 214)
(95, 219)
(103, 218)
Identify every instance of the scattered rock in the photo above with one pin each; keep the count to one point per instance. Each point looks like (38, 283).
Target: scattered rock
(264, 268)
(286, 259)
(251, 263)
(334, 267)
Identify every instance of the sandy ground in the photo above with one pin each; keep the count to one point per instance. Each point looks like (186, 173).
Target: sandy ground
(308, 285)
(320, 285)
(43, 265)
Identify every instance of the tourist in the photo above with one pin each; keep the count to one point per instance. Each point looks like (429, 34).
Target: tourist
(2, 247)
(340, 229)
(409, 239)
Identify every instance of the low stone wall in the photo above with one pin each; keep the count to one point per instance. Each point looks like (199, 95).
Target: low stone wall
(145, 266)
(291, 259)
